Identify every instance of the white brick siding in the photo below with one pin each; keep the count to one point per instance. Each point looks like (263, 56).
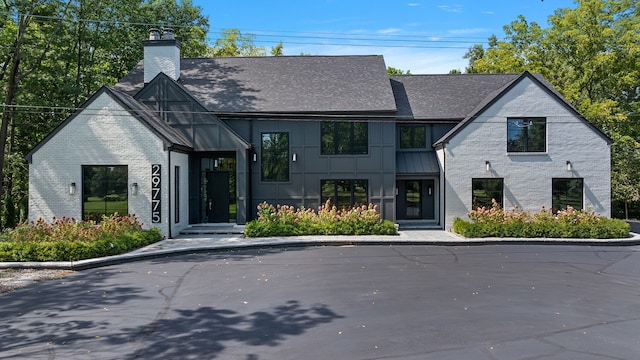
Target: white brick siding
(104, 133)
(161, 58)
(527, 176)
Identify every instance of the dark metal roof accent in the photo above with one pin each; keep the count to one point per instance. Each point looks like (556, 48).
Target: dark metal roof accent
(164, 80)
(148, 117)
(283, 84)
(416, 162)
(136, 109)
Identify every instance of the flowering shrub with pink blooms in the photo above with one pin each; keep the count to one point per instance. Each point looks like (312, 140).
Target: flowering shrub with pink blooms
(68, 239)
(285, 220)
(567, 223)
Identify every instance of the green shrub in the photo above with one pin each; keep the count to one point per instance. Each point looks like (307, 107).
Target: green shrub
(568, 223)
(69, 240)
(284, 220)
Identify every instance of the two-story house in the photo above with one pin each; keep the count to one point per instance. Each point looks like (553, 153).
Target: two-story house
(189, 141)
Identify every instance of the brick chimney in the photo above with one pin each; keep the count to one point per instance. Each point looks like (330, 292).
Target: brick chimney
(161, 55)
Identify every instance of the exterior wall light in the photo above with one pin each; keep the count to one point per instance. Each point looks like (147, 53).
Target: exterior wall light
(255, 157)
(72, 188)
(294, 157)
(569, 166)
(134, 188)
(487, 166)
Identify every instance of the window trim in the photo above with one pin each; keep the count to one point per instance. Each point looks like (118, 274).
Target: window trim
(262, 157)
(334, 196)
(413, 132)
(85, 190)
(176, 193)
(553, 193)
(525, 151)
(335, 133)
(500, 201)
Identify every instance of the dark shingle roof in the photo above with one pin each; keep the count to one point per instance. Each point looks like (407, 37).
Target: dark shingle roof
(444, 97)
(496, 94)
(283, 84)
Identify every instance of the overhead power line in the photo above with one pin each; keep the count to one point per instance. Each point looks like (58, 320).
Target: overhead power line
(346, 39)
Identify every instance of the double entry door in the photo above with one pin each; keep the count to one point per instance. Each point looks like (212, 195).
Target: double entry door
(416, 200)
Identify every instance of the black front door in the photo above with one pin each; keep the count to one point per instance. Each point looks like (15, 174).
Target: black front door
(413, 199)
(416, 200)
(218, 196)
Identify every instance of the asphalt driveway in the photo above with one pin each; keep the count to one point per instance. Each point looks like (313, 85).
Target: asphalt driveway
(353, 302)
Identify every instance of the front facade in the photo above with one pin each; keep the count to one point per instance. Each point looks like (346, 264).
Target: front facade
(190, 141)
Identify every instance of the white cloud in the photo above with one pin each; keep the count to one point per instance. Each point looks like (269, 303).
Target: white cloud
(488, 12)
(414, 4)
(450, 8)
(468, 31)
(388, 31)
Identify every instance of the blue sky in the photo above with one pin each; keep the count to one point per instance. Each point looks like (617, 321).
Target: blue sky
(424, 36)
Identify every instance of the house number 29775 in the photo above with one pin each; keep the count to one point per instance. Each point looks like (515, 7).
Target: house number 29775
(156, 215)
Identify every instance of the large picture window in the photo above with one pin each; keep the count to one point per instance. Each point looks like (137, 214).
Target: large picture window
(526, 134)
(485, 191)
(345, 193)
(413, 137)
(344, 137)
(104, 191)
(275, 156)
(566, 192)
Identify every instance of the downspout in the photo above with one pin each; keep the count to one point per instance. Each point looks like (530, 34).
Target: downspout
(444, 187)
(249, 197)
(169, 193)
(250, 152)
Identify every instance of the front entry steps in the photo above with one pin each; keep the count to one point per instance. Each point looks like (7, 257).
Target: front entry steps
(418, 225)
(212, 229)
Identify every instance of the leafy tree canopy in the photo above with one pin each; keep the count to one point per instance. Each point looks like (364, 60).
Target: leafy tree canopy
(394, 71)
(590, 54)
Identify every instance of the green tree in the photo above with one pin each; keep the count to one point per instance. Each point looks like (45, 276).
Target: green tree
(277, 50)
(55, 54)
(234, 43)
(395, 71)
(474, 53)
(626, 172)
(590, 54)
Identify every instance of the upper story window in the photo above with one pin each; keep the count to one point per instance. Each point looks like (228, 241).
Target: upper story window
(274, 157)
(344, 138)
(413, 137)
(527, 134)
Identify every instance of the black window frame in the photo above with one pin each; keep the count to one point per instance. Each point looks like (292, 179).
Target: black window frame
(521, 135)
(337, 199)
(112, 190)
(413, 132)
(270, 159)
(486, 201)
(340, 138)
(558, 189)
(176, 193)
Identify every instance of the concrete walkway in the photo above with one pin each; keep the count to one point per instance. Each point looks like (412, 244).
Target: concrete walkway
(201, 243)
